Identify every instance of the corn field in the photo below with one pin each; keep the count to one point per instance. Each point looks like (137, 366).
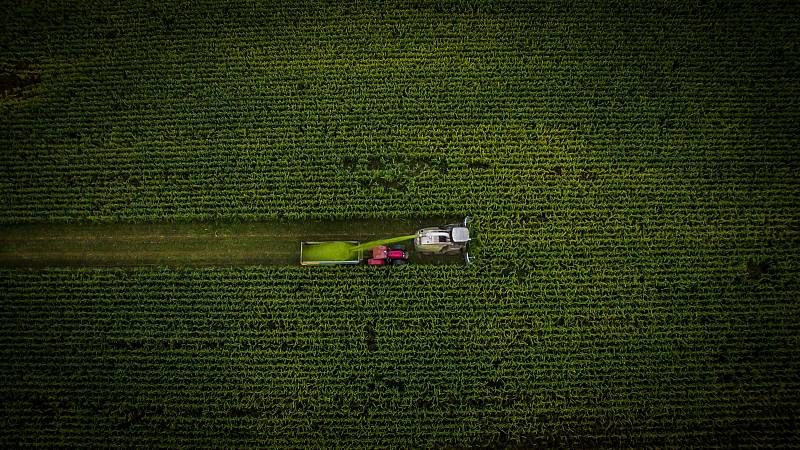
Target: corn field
(633, 169)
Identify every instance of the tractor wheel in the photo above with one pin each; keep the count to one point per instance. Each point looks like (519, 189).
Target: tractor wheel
(398, 262)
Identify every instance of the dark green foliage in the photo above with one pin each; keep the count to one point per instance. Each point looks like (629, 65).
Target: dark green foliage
(633, 169)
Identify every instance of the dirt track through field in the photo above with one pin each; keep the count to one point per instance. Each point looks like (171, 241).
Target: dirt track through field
(221, 244)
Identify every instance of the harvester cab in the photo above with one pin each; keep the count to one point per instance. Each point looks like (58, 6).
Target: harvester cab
(452, 239)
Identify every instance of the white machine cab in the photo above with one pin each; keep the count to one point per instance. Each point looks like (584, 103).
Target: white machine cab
(447, 240)
(459, 234)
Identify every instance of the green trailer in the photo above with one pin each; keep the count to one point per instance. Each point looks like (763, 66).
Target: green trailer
(330, 253)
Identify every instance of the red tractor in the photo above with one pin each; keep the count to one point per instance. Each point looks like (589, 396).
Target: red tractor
(383, 254)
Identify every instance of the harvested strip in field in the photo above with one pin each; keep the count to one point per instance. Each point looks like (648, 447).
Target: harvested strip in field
(183, 244)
